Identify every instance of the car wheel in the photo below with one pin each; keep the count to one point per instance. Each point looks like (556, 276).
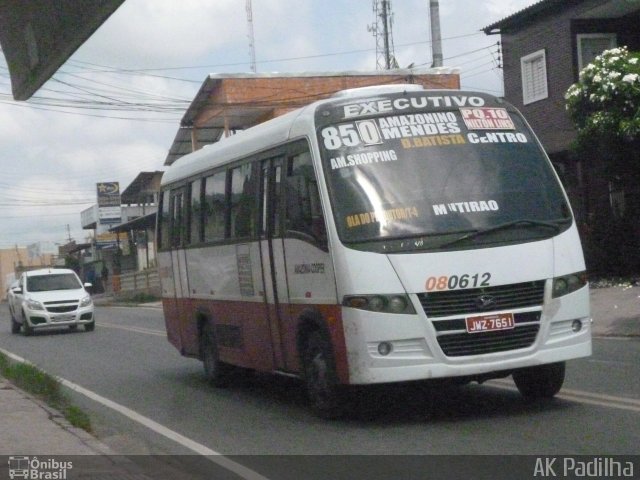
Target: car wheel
(540, 382)
(15, 326)
(89, 327)
(320, 377)
(73, 328)
(216, 372)
(27, 329)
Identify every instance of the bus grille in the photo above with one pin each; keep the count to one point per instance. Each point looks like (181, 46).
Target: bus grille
(507, 297)
(462, 343)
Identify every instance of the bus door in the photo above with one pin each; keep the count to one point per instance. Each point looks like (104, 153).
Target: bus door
(179, 237)
(272, 257)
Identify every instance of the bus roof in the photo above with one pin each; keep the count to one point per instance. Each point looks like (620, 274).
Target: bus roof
(285, 127)
(243, 143)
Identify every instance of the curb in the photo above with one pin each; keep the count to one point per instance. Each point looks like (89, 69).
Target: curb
(57, 417)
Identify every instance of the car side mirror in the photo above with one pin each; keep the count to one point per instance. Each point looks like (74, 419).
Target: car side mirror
(17, 290)
(88, 285)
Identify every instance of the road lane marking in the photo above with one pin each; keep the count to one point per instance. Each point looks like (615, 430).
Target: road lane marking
(582, 399)
(147, 331)
(166, 432)
(599, 399)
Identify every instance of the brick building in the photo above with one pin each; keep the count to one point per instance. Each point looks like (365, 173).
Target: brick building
(227, 103)
(14, 261)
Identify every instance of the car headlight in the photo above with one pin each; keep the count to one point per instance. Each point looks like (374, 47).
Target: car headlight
(568, 283)
(86, 301)
(34, 305)
(380, 303)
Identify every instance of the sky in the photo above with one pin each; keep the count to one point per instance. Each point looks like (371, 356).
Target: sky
(113, 109)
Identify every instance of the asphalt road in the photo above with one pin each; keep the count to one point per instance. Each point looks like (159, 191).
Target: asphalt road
(127, 360)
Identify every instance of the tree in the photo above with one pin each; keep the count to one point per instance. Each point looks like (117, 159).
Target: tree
(605, 103)
(605, 107)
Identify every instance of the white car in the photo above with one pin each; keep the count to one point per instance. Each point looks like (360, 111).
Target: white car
(51, 297)
(13, 300)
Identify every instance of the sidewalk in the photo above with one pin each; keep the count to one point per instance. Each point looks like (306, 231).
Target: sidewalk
(28, 427)
(105, 300)
(31, 428)
(616, 311)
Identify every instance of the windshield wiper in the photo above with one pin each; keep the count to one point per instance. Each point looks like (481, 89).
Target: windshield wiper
(554, 225)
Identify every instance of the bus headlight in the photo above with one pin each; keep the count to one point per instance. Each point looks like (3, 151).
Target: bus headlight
(398, 304)
(568, 283)
(380, 303)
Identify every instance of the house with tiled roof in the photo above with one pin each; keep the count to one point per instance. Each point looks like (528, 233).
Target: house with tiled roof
(544, 47)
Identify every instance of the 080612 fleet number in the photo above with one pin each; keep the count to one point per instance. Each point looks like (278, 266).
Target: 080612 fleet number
(453, 282)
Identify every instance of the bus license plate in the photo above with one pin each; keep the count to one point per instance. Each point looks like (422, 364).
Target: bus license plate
(490, 323)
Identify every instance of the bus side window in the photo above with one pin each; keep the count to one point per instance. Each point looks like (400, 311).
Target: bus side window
(165, 239)
(178, 219)
(304, 212)
(215, 207)
(243, 201)
(196, 212)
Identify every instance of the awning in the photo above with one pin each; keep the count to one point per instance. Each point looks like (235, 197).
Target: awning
(38, 36)
(140, 223)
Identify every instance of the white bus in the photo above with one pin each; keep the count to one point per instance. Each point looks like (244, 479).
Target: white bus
(386, 234)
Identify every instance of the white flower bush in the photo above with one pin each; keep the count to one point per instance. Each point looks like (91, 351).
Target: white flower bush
(606, 99)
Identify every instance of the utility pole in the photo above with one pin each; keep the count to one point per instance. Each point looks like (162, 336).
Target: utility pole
(252, 45)
(436, 37)
(18, 267)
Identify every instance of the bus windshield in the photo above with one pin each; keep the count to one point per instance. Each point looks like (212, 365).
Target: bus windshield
(450, 179)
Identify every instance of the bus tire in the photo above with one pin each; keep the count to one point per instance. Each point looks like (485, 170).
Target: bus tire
(320, 377)
(543, 381)
(216, 372)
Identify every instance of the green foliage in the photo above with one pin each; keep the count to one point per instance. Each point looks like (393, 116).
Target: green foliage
(605, 103)
(604, 106)
(44, 386)
(139, 297)
(77, 417)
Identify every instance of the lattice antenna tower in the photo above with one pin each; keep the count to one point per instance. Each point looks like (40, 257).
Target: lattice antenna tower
(382, 30)
(252, 43)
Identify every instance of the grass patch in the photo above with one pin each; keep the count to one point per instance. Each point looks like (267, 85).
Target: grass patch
(140, 297)
(45, 387)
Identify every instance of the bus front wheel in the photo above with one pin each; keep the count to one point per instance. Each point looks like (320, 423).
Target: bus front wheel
(321, 379)
(216, 372)
(543, 381)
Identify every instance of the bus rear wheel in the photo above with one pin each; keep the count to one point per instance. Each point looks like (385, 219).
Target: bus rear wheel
(216, 372)
(543, 381)
(321, 379)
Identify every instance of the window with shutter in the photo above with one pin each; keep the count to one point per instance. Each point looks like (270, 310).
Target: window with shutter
(534, 77)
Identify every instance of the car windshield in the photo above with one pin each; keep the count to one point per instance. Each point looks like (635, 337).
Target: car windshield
(436, 177)
(44, 283)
